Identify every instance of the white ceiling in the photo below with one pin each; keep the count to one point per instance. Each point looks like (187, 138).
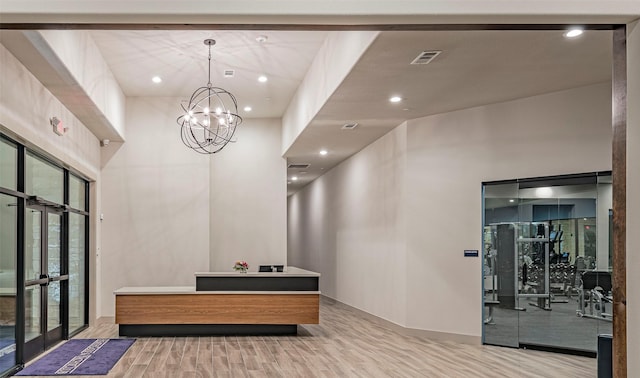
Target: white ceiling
(475, 68)
(179, 57)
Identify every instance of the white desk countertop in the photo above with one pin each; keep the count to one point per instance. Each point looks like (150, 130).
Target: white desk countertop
(168, 290)
(290, 271)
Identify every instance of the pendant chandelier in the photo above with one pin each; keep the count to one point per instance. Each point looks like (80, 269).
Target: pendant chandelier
(210, 118)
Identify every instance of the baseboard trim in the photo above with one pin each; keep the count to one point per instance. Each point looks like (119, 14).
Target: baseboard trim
(415, 332)
(105, 320)
(184, 330)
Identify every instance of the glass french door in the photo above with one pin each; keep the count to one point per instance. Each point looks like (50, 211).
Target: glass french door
(45, 282)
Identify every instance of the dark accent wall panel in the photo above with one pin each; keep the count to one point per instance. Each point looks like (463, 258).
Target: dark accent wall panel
(260, 283)
(184, 330)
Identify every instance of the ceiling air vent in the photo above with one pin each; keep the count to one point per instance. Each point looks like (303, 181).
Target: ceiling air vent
(298, 166)
(426, 57)
(229, 73)
(349, 126)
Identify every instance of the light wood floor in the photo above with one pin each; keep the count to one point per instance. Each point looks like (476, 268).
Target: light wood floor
(343, 345)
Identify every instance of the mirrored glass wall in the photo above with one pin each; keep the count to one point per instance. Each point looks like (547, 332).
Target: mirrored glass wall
(547, 262)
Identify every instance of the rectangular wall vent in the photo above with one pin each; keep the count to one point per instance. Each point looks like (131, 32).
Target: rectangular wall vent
(426, 57)
(349, 126)
(229, 73)
(298, 166)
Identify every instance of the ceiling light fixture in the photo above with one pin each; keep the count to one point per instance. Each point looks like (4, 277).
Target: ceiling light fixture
(395, 99)
(247, 109)
(156, 79)
(294, 178)
(323, 152)
(575, 32)
(210, 118)
(262, 79)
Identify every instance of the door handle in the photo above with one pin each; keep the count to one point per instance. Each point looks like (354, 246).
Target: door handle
(45, 277)
(63, 277)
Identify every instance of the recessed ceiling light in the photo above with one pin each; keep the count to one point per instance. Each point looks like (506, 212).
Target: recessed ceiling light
(156, 79)
(572, 33)
(323, 152)
(247, 109)
(294, 178)
(512, 200)
(261, 38)
(262, 79)
(395, 99)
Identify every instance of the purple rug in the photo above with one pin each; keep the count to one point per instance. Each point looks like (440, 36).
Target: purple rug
(80, 357)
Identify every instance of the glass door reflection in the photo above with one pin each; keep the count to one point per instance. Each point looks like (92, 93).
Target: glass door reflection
(43, 279)
(33, 271)
(500, 265)
(54, 262)
(547, 269)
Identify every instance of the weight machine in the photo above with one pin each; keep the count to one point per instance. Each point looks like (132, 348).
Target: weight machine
(522, 263)
(594, 294)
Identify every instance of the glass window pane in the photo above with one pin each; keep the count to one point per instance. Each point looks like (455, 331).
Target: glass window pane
(54, 311)
(76, 192)
(8, 165)
(32, 245)
(43, 179)
(8, 245)
(77, 251)
(54, 244)
(32, 312)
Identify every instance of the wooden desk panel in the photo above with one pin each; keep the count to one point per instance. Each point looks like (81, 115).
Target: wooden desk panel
(218, 309)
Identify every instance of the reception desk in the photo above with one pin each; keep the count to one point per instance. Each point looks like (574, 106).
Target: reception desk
(222, 303)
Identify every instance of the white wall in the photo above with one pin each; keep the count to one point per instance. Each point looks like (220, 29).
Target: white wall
(81, 57)
(449, 157)
(633, 199)
(170, 211)
(155, 201)
(358, 212)
(333, 62)
(349, 225)
(248, 198)
(26, 109)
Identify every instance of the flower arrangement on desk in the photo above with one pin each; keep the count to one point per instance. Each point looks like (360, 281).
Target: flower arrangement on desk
(241, 266)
